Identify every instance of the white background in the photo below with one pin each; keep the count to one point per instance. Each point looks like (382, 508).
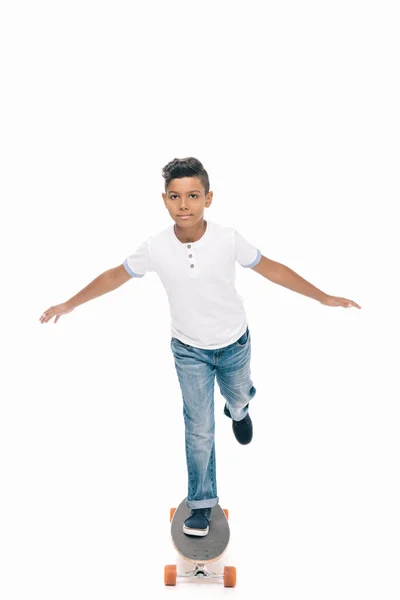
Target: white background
(293, 109)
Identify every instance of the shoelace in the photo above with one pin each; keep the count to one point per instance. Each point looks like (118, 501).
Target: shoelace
(200, 511)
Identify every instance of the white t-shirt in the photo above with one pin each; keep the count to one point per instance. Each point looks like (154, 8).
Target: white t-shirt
(199, 278)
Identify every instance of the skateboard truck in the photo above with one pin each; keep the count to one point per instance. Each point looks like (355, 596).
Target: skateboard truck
(200, 571)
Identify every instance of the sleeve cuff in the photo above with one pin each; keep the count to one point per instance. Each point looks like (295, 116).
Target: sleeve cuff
(255, 261)
(128, 270)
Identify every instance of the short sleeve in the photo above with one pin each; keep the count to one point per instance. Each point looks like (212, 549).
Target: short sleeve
(139, 263)
(246, 254)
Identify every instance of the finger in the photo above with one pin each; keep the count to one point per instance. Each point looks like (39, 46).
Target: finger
(351, 303)
(48, 314)
(342, 302)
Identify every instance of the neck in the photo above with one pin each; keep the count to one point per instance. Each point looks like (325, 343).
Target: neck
(188, 235)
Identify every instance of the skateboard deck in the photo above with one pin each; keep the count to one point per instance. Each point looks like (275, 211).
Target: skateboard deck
(200, 550)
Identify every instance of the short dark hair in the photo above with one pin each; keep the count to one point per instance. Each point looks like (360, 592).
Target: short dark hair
(186, 167)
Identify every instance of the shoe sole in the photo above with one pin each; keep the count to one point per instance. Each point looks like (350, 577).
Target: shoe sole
(197, 532)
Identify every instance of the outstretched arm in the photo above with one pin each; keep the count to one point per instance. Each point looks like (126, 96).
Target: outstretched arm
(106, 282)
(282, 275)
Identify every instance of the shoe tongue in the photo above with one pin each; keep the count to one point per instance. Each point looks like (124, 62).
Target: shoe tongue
(201, 511)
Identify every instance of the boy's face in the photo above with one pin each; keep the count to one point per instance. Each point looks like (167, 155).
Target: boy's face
(186, 196)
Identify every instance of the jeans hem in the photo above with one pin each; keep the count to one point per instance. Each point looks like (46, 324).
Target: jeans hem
(208, 503)
(246, 408)
(241, 419)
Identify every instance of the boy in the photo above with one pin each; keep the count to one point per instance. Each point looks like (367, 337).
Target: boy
(195, 260)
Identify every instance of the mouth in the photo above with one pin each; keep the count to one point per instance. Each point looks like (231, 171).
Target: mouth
(184, 216)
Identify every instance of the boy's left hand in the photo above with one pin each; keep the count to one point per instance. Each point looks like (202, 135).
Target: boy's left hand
(336, 301)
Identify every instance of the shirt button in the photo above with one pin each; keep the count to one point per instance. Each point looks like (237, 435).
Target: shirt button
(190, 255)
(192, 266)
(189, 246)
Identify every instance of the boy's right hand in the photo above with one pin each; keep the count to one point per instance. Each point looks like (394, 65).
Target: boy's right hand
(57, 311)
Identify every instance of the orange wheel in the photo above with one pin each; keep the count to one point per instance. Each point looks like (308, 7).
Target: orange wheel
(226, 511)
(229, 576)
(170, 575)
(171, 513)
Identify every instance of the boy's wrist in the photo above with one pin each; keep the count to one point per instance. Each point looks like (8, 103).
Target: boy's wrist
(323, 298)
(70, 304)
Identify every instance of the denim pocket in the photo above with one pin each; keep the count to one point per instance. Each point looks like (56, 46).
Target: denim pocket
(180, 343)
(242, 341)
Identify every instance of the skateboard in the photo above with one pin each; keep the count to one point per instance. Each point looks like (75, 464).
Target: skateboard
(201, 551)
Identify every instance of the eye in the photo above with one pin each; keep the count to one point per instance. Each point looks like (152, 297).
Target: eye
(174, 196)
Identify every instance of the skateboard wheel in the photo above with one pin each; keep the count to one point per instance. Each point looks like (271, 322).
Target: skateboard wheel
(171, 513)
(170, 575)
(226, 511)
(229, 576)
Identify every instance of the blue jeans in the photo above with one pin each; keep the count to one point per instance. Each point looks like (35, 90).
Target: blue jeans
(196, 369)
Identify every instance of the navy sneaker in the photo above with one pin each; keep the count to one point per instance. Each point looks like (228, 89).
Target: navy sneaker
(243, 429)
(197, 522)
